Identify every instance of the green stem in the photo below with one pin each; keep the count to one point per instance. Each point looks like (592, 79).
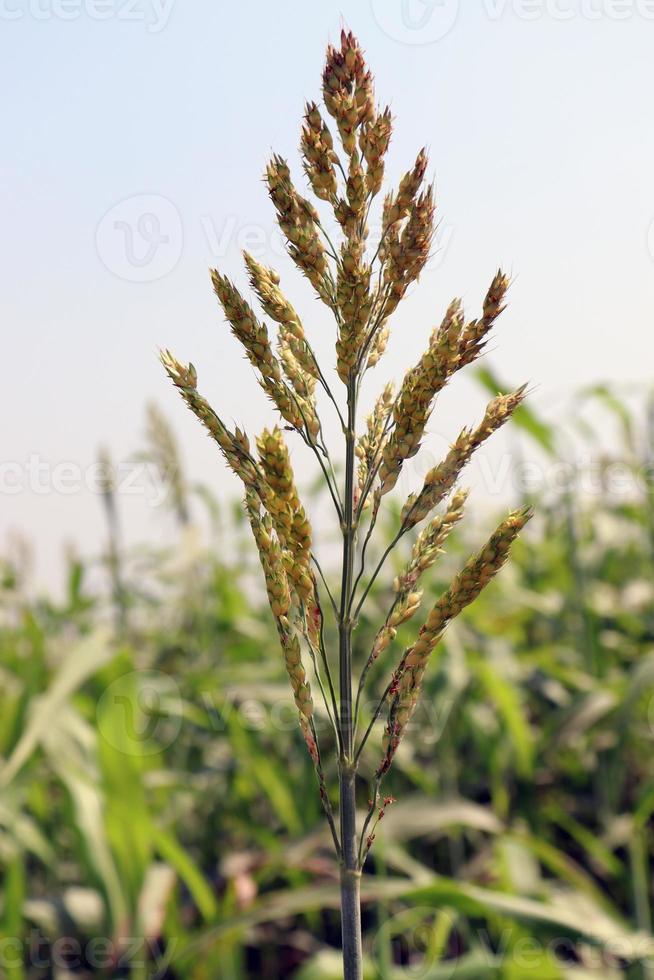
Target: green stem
(350, 874)
(350, 878)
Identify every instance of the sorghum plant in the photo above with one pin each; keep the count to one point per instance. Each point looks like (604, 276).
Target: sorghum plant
(361, 286)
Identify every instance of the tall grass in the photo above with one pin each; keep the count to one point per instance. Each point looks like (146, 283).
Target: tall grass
(362, 286)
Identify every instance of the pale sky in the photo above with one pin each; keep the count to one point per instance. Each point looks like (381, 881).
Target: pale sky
(135, 136)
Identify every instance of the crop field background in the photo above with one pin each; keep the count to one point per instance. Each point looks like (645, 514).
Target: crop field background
(158, 813)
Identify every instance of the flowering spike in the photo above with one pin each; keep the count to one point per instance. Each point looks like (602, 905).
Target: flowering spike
(474, 577)
(441, 478)
(232, 445)
(361, 286)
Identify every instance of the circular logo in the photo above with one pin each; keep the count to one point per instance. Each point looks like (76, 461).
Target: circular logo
(416, 21)
(140, 713)
(416, 935)
(141, 238)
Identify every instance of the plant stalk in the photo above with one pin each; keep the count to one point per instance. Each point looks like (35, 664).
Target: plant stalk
(350, 872)
(350, 878)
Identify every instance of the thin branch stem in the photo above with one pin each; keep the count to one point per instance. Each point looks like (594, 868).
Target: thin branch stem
(373, 721)
(314, 661)
(380, 565)
(324, 796)
(371, 810)
(329, 242)
(317, 450)
(404, 527)
(368, 665)
(331, 397)
(332, 488)
(324, 582)
(328, 673)
(371, 527)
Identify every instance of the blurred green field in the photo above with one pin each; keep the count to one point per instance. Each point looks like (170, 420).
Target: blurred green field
(158, 810)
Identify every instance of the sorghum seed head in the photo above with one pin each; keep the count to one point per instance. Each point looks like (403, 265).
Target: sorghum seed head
(233, 445)
(476, 574)
(286, 510)
(371, 441)
(347, 89)
(441, 478)
(474, 335)
(415, 401)
(318, 152)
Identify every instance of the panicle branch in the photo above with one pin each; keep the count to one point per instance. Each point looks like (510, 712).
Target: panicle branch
(416, 398)
(279, 597)
(426, 550)
(265, 283)
(452, 346)
(370, 443)
(348, 89)
(297, 410)
(299, 222)
(354, 301)
(362, 290)
(475, 576)
(441, 478)
(233, 445)
(319, 158)
(286, 510)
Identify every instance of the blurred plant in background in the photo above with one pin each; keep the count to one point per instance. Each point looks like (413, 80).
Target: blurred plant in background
(154, 813)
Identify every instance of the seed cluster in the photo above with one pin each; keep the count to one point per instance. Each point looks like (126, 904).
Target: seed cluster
(288, 514)
(426, 550)
(370, 443)
(429, 543)
(441, 478)
(475, 576)
(347, 89)
(362, 283)
(297, 409)
(453, 345)
(299, 222)
(233, 445)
